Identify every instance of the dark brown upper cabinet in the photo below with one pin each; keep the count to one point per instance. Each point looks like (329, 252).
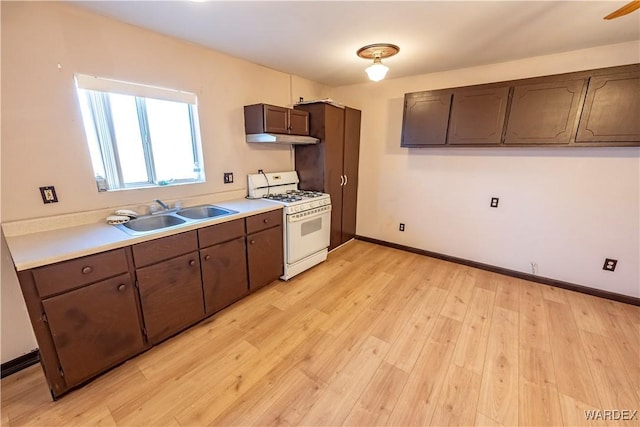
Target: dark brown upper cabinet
(478, 116)
(298, 122)
(586, 108)
(265, 118)
(544, 113)
(426, 118)
(611, 110)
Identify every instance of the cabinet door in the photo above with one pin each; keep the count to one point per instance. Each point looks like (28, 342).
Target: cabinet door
(94, 327)
(351, 159)
(425, 119)
(544, 113)
(276, 119)
(612, 109)
(171, 296)
(265, 257)
(298, 122)
(478, 116)
(334, 167)
(224, 274)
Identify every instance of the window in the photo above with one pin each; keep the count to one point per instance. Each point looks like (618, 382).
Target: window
(139, 136)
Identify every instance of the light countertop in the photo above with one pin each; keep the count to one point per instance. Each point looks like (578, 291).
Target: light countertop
(50, 246)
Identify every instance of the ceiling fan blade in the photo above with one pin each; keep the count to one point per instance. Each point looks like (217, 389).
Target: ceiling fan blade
(627, 8)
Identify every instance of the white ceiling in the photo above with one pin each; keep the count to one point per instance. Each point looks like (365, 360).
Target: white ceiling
(318, 39)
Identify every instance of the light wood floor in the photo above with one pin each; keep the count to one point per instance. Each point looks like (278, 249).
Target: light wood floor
(374, 336)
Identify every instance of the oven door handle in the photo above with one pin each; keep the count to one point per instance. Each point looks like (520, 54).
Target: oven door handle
(308, 215)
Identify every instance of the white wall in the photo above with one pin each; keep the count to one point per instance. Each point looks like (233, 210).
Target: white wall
(43, 142)
(16, 337)
(566, 209)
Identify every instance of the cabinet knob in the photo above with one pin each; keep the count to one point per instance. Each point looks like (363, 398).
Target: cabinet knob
(252, 242)
(192, 263)
(87, 270)
(207, 257)
(122, 287)
(266, 220)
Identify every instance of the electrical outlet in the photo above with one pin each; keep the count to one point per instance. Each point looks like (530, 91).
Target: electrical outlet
(494, 202)
(260, 171)
(228, 177)
(610, 264)
(48, 194)
(401, 227)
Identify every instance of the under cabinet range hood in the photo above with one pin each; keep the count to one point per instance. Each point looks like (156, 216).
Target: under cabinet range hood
(279, 138)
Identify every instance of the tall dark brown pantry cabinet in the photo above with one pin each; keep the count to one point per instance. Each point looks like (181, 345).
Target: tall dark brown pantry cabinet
(331, 165)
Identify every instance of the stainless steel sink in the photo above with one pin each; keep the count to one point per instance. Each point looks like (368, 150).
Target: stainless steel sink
(204, 212)
(159, 221)
(150, 223)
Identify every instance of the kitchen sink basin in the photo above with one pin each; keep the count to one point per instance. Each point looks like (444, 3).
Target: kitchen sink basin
(170, 218)
(151, 223)
(204, 212)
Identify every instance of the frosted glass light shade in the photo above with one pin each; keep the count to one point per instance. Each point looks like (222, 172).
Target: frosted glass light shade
(377, 70)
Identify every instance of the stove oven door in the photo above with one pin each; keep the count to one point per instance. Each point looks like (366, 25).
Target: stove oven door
(307, 233)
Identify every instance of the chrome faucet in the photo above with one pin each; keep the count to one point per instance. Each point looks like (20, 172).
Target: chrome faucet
(161, 203)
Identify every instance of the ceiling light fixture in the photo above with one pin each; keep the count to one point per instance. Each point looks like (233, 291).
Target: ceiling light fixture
(377, 51)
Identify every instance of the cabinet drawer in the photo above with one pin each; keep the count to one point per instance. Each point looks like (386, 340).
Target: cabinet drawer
(158, 250)
(67, 275)
(263, 221)
(219, 233)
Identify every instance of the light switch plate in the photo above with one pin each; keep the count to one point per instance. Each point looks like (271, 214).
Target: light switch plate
(48, 194)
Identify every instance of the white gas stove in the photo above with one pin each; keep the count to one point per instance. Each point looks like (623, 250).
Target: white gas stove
(307, 218)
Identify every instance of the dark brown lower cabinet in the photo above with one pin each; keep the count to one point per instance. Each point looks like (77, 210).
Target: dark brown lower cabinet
(224, 274)
(88, 316)
(265, 257)
(171, 296)
(94, 327)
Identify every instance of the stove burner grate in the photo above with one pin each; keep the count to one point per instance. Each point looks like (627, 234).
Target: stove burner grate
(288, 198)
